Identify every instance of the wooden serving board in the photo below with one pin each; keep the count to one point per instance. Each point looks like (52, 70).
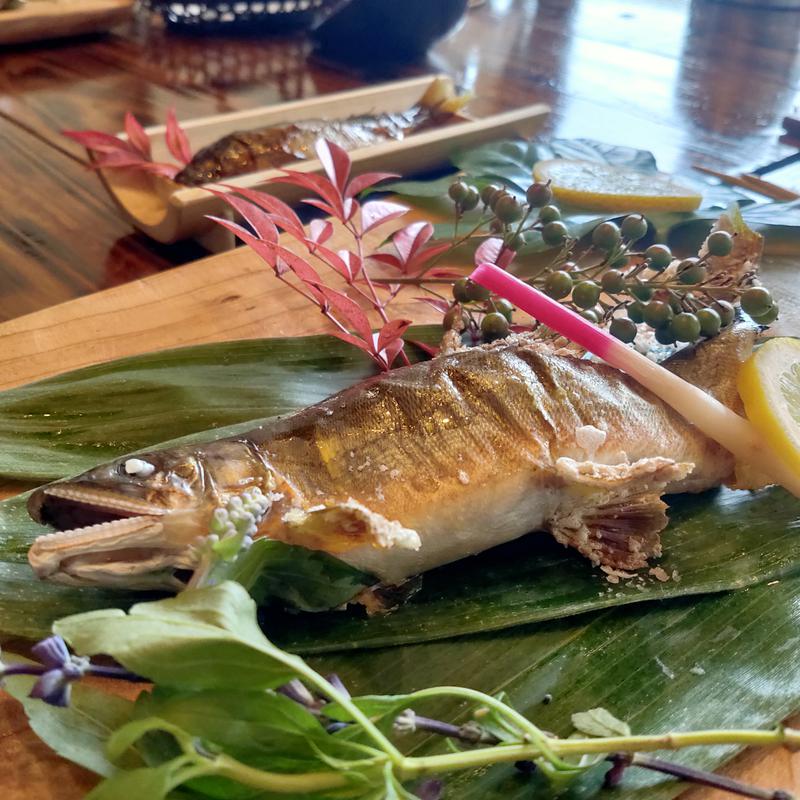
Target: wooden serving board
(50, 19)
(228, 296)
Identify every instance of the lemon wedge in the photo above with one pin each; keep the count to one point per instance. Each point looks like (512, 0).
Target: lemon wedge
(603, 187)
(769, 385)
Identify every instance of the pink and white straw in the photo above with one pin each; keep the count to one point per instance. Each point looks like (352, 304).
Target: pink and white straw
(715, 420)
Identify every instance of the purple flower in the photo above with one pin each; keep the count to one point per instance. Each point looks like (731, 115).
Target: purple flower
(53, 687)
(429, 790)
(52, 652)
(61, 670)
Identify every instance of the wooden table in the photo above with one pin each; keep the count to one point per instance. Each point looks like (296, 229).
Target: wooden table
(697, 81)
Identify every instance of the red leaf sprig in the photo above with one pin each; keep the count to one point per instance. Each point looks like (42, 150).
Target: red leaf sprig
(135, 152)
(338, 282)
(309, 272)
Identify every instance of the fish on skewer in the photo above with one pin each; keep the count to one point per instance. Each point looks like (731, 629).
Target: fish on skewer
(276, 146)
(415, 468)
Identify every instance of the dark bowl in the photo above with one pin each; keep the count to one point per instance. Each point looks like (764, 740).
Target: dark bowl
(385, 31)
(241, 16)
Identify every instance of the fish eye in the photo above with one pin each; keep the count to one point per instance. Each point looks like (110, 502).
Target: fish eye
(136, 467)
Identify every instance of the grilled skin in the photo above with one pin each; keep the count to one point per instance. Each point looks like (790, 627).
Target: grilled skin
(266, 148)
(416, 468)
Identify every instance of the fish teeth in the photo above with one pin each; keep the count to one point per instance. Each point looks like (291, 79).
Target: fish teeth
(102, 499)
(117, 525)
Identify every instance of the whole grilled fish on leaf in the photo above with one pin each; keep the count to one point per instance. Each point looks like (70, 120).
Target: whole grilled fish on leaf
(413, 469)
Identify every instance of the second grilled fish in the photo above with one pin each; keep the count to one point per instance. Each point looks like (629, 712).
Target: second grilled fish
(248, 151)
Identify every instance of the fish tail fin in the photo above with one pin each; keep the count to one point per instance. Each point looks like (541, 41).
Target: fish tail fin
(615, 514)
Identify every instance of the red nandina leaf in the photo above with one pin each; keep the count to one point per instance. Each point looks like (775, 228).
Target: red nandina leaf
(136, 135)
(100, 142)
(390, 259)
(263, 249)
(354, 263)
(177, 142)
(361, 182)
(350, 208)
(166, 170)
(336, 163)
(411, 238)
(348, 310)
(354, 340)
(259, 219)
(320, 230)
(301, 268)
(282, 215)
(392, 330)
(488, 251)
(505, 258)
(445, 272)
(393, 350)
(336, 261)
(322, 205)
(317, 184)
(378, 212)
(439, 305)
(426, 348)
(118, 159)
(424, 256)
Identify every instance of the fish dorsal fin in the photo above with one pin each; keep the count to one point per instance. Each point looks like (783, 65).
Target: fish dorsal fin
(713, 365)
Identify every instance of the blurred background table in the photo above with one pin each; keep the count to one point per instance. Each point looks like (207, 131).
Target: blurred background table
(691, 80)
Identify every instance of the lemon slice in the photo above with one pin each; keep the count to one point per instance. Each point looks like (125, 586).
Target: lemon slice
(769, 385)
(603, 187)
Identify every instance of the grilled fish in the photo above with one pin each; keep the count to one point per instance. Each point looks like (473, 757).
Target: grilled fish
(277, 146)
(415, 468)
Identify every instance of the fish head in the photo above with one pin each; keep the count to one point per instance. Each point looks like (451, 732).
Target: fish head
(133, 522)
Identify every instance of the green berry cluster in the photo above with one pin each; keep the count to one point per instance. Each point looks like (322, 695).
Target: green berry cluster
(610, 282)
(477, 312)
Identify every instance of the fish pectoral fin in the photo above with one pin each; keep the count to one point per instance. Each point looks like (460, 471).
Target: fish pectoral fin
(339, 527)
(613, 514)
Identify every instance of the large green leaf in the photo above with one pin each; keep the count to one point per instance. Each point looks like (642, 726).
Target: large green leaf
(63, 425)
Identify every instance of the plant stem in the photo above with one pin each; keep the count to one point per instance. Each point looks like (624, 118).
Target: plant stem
(428, 765)
(707, 778)
(530, 731)
(278, 782)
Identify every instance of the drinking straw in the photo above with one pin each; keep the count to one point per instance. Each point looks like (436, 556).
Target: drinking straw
(714, 419)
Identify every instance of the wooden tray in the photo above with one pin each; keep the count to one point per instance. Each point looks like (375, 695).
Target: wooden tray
(50, 19)
(168, 212)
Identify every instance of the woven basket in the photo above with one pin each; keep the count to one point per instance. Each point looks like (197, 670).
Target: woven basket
(241, 16)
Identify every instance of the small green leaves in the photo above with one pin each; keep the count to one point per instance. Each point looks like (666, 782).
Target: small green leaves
(169, 641)
(599, 722)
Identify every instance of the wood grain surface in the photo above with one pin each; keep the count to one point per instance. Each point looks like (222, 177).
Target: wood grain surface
(55, 18)
(692, 80)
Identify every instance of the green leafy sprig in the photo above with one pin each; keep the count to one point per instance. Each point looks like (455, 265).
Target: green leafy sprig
(232, 715)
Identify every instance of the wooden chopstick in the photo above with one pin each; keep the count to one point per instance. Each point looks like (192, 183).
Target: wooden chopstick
(752, 182)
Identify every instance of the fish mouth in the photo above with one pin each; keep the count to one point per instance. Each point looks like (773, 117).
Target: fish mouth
(105, 538)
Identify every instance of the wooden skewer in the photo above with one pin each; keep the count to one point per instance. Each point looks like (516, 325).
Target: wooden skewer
(751, 182)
